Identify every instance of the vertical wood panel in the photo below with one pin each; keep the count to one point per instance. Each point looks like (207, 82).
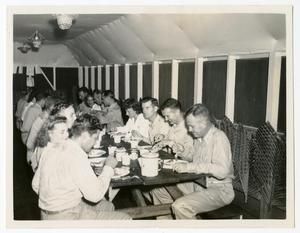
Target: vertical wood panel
(99, 79)
(174, 82)
(186, 73)
(214, 87)
(92, 77)
(230, 87)
(80, 76)
(155, 79)
(282, 98)
(107, 79)
(86, 76)
(139, 80)
(116, 80)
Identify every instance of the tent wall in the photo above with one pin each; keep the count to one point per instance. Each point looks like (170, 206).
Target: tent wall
(249, 91)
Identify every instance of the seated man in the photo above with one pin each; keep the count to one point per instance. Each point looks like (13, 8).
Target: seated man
(158, 128)
(31, 114)
(65, 180)
(178, 138)
(211, 155)
(82, 94)
(111, 115)
(97, 94)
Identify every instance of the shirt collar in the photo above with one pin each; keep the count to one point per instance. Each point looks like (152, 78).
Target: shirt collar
(157, 118)
(179, 125)
(75, 145)
(113, 105)
(209, 134)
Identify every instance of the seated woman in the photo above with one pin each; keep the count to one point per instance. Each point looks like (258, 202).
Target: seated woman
(136, 125)
(61, 109)
(36, 127)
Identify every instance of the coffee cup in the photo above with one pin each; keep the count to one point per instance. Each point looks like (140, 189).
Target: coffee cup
(117, 138)
(125, 160)
(150, 164)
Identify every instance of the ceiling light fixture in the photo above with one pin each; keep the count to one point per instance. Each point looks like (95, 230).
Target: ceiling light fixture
(36, 39)
(65, 21)
(25, 47)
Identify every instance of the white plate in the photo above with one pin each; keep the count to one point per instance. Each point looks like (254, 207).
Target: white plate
(96, 153)
(97, 160)
(121, 171)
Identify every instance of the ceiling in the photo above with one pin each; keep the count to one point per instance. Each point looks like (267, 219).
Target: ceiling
(119, 38)
(46, 24)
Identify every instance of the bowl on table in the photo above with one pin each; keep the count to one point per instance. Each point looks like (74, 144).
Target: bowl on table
(120, 171)
(97, 164)
(96, 153)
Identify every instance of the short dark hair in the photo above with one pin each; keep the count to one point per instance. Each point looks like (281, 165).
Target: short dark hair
(32, 95)
(108, 93)
(41, 95)
(151, 99)
(171, 103)
(83, 89)
(85, 123)
(42, 138)
(131, 103)
(200, 110)
(50, 101)
(97, 92)
(58, 107)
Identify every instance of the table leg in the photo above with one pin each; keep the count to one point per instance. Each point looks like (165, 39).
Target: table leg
(138, 197)
(112, 193)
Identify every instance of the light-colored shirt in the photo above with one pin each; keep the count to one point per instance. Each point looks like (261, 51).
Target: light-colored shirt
(212, 155)
(65, 175)
(96, 107)
(139, 124)
(83, 108)
(20, 107)
(32, 113)
(158, 126)
(35, 128)
(31, 141)
(25, 109)
(179, 134)
(112, 116)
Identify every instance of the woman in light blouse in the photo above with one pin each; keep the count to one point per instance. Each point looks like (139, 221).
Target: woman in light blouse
(136, 125)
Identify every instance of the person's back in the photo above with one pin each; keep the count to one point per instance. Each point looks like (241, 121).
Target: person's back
(31, 115)
(58, 166)
(64, 178)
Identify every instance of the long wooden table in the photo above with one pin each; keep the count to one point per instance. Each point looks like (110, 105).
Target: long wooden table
(135, 181)
(164, 177)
